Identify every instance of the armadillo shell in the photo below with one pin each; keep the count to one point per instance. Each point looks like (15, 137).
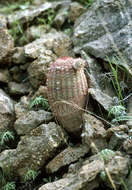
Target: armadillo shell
(67, 92)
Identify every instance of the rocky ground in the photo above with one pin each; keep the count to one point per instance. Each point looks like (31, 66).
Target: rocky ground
(36, 152)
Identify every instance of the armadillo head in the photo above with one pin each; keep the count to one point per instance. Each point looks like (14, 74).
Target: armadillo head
(78, 63)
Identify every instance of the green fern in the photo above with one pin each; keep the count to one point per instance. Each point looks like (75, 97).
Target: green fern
(7, 136)
(10, 8)
(103, 175)
(119, 113)
(48, 18)
(122, 118)
(31, 175)
(117, 110)
(9, 186)
(40, 101)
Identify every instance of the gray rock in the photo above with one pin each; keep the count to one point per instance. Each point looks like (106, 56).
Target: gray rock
(62, 15)
(3, 22)
(76, 9)
(83, 179)
(129, 123)
(18, 88)
(33, 151)
(4, 76)
(93, 133)
(18, 56)
(22, 15)
(96, 76)
(100, 87)
(33, 12)
(22, 107)
(18, 75)
(105, 100)
(30, 120)
(24, 67)
(6, 44)
(57, 41)
(14, 70)
(128, 146)
(117, 135)
(42, 91)
(39, 46)
(86, 173)
(117, 129)
(62, 45)
(74, 167)
(117, 139)
(37, 70)
(105, 30)
(7, 113)
(74, 183)
(118, 167)
(35, 32)
(66, 157)
(6, 110)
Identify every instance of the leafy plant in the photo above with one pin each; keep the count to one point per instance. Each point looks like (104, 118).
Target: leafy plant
(31, 175)
(115, 81)
(119, 113)
(17, 30)
(117, 110)
(122, 118)
(9, 186)
(6, 136)
(48, 18)
(17, 33)
(68, 31)
(103, 175)
(86, 3)
(47, 180)
(9, 8)
(40, 101)
(5, 177)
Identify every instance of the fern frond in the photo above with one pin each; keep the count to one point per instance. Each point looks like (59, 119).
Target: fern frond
(9, 186)
(40, 101)
(6, 136)
(31, 175)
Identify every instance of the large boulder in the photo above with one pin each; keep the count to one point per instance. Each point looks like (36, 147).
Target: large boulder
(85, 174)
(93, 133)
(27, 122)
(105, 30)
(38, 69)
(66, 157)
(57, 41)
(6, 44)
(33, 151)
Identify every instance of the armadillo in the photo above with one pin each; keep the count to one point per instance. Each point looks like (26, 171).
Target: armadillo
(67, 90)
